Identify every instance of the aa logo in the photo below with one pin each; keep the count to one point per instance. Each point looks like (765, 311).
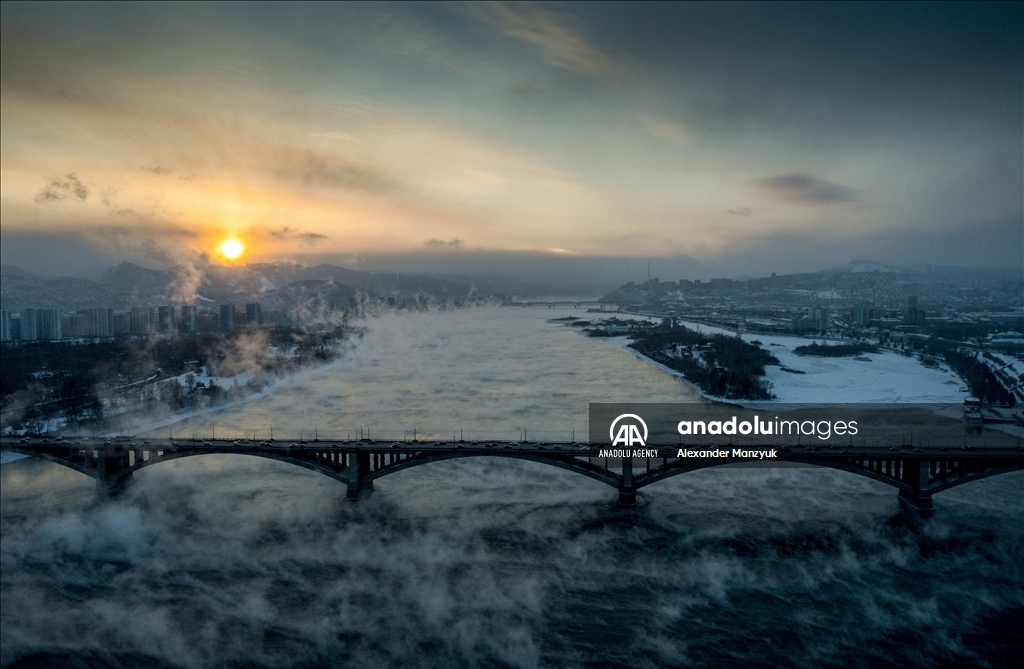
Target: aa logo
(628, 433)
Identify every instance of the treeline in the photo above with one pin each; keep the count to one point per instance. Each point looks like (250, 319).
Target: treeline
(978, 330)
(720, 365)
(834, 351)
(115, 361)
(983, 383)
(186, 394)
(608, 327)
(79, 380)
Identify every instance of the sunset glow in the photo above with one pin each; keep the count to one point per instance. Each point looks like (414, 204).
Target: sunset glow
(231, 249)
(511, 128)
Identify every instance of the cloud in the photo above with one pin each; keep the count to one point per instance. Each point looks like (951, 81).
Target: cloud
(310, 168)
(546, 31)
(671, 132)
(283, 233)
(439, 243)
(742, 211)
(159, 170)
(805, 189)
(62, 188)
(152, 231)
(291, 233)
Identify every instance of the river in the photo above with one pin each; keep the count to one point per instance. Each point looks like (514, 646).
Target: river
(237, 561)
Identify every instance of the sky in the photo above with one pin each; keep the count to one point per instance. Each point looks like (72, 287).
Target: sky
(735, 139)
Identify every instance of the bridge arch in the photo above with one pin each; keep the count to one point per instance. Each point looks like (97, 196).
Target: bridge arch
(575, 465)
(972, 477)
(578, 467)
(644, 480)
(267, 455)
(81, 469)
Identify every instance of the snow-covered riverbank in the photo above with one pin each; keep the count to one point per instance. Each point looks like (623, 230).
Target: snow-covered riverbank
(882, 377)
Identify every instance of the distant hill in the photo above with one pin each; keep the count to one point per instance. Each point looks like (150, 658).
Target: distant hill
(130, 275)
(855, 276)
(15, 272)
(276, 285)
(860, 266)
(281, 274)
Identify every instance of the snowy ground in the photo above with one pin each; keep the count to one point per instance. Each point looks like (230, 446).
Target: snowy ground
(1010, 367)
(888, 377)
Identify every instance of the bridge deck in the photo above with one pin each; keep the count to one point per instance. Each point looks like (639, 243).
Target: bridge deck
(917, 472)
(242, 446)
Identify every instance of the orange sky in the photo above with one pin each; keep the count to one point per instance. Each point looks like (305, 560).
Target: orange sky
(503, 127)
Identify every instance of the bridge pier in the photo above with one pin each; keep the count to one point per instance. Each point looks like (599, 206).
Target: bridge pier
(916, 503)
(358, 468)
(113, 487)
(627, 486)
(915, 474)
(112, 480)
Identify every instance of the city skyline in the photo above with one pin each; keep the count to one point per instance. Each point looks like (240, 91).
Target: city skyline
(751, 139)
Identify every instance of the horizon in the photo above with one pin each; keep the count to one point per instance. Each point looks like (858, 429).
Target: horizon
(605, 273)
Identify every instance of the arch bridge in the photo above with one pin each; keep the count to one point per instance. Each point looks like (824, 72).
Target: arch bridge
(916, 473)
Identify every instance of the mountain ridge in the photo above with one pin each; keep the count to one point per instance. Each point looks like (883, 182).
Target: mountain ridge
(279, 285)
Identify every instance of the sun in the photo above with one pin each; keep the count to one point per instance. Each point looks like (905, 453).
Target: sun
(231, 249)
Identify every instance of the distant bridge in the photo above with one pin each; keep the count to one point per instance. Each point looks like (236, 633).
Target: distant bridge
(917, 473)
(575, 304)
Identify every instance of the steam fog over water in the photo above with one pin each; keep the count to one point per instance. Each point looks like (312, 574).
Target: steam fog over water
(492, 371)
(237, 561)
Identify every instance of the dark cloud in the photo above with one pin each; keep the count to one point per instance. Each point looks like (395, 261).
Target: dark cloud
(826, 73)
(742, 211)
(440, 243)
(63, 188)
(159, 170)
(156, 232)
(806, 189)
(292, 233)
(283, 233)
(313, 169)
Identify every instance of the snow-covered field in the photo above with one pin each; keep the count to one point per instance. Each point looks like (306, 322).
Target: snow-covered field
(888, 377)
